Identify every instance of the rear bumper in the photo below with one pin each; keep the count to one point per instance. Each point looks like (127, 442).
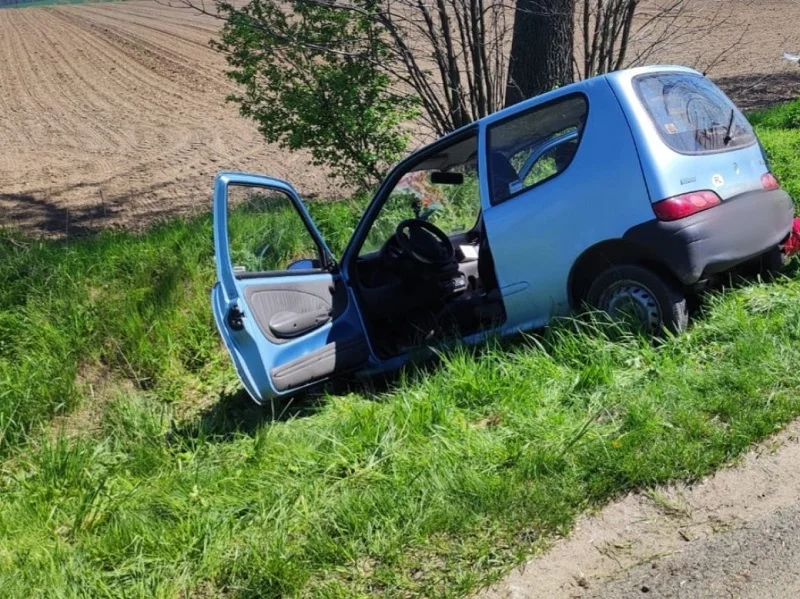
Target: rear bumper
(718, 239)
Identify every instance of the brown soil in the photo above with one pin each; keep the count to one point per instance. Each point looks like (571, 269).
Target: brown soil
(115, 114)
(744, 53)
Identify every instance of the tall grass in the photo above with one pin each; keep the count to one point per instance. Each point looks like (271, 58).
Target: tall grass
(430, 485)
(134, 305)
(779, 131)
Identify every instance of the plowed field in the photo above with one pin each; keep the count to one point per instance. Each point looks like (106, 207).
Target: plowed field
(115, 114)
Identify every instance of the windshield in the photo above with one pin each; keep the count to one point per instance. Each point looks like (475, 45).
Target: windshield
(443, 189)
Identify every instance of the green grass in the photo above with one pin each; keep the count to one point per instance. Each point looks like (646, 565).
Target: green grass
(779, 130)
(430, 486)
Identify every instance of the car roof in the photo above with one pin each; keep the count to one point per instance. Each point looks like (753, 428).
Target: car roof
(622, 76)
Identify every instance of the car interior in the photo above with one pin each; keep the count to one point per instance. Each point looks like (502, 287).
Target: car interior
(425, 270)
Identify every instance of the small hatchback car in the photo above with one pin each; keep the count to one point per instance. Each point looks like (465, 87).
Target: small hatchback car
(625, 192)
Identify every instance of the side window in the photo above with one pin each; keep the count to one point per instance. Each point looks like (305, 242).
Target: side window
(266, 232)
(442, 189)
(534, 146)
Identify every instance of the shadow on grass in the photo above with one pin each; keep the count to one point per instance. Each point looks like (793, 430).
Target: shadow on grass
(237, 414)
(763, 269)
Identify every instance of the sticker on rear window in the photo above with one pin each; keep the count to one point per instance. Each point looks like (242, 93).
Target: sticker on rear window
(671, 128)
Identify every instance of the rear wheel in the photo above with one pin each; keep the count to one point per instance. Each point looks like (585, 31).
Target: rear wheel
(637, 295)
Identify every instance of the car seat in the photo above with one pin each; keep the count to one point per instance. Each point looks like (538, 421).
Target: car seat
(501, 176)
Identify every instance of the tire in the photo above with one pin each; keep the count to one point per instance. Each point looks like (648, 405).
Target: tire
(627, 291)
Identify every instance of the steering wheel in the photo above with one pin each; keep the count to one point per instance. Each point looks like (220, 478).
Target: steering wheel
(425, 242)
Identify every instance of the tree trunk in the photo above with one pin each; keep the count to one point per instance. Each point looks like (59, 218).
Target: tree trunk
(541, 48)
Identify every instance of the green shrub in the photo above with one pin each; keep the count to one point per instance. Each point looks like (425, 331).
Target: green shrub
(326, 90)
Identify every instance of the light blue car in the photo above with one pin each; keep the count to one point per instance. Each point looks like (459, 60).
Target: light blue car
(625, 192)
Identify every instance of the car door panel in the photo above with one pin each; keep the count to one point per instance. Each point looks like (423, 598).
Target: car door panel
(307, 305)
(337, 356)
(285, 325)
(285, 329)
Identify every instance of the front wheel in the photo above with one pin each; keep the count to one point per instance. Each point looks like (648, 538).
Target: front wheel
(630, 293)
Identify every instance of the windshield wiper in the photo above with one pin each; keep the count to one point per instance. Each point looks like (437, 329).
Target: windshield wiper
(728, 139)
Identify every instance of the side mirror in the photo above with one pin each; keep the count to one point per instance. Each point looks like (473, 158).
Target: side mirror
(430, 211)
(416, 207)
(304, 264)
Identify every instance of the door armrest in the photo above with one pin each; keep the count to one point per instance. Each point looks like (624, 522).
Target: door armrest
(291, 324)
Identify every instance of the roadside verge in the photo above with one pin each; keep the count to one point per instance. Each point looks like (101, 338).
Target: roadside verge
(721, 536)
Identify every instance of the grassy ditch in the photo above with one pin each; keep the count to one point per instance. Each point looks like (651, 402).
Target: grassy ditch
(133, 466)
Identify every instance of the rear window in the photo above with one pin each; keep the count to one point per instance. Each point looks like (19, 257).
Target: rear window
(692, 114)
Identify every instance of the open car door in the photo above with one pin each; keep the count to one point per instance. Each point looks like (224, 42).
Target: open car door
(280, 304)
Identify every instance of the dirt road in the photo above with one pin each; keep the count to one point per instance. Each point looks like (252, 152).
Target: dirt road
(736, 534)
(756, 561)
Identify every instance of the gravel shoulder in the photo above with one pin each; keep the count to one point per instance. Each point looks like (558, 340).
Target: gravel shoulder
(734, 534)
(757, 560)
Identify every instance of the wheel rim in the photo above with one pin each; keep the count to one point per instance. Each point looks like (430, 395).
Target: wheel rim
(626, 300)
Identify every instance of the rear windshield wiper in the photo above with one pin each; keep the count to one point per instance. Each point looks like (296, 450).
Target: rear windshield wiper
(728, 139)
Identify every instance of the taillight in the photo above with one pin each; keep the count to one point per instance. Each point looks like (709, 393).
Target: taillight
(685, 205)
(770, 182)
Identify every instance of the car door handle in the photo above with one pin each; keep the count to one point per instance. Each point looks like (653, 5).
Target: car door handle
(291, 324)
